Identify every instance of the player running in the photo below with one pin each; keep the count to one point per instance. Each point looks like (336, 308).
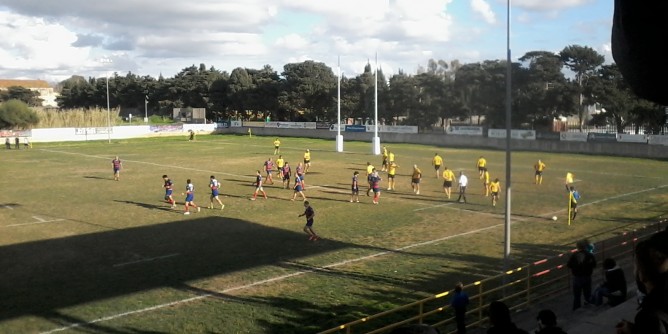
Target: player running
(190, 197)
(277, 146)
(258, 186)
(495, 187)
(307, 160)
(482, 166)
(169, 189)
(539, 167)
(309, 213)
(448, 178)
(386, 164)
(415, 179)
(485, 182)
(573, 203)
(369, 171)
(391, 172)
(298, 189)
(299, 171)
(355, 188)
(269, 169)
(116, 164)
(437, 161)
(215, 185)
(375, 186)
(287, 173)
(280, 162)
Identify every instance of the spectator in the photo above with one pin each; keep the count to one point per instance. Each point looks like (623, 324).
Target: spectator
(8, 144)
(547, 323)
(652, 278)
(614, 287)
(499, 317)
(582, 264)
(17, 142)
(459, 302)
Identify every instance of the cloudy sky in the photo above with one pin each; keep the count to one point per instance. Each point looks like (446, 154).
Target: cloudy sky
(52, 40)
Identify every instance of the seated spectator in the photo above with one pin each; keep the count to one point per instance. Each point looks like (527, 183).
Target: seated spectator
(614, 287)
(652, 278)
(547, 323)
(499, 317)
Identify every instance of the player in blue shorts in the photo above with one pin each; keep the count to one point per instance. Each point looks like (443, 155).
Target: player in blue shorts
(169, 189)
(355, 188)
(375, 186)
(116, 164)
(308, 228)
(215, 185)
(298, 189)
(287, 173)
(190, 197)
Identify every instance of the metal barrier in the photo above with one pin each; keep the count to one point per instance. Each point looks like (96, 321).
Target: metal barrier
(518, 288)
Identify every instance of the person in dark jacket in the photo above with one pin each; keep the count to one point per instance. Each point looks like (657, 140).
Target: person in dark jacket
(582, 264)
(459, 302)
(499, 317)
(652, 277)
(547, 323)
(614, 287)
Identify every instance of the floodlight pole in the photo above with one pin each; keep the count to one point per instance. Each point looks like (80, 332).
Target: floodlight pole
(146, 109)
(339, 137)
(108, 112)
(376, 139)
(509, 64)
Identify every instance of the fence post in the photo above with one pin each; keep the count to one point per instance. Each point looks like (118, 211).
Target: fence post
(480, 302)
(529, 285)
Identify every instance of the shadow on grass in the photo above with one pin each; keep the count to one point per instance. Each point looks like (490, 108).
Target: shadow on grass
(44, 276)
(98, 178)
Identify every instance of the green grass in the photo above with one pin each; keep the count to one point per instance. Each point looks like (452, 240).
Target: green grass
(250, 268)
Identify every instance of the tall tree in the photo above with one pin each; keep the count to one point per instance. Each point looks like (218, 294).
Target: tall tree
(30, 97)
(310, 88)
(609, 89)
(583, 61)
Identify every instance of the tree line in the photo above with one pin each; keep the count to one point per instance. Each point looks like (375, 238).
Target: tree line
(439, 91)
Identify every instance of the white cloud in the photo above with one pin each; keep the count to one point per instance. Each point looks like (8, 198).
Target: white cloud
(482, 8)
(551, 5)
(291, 42)
(34, 44)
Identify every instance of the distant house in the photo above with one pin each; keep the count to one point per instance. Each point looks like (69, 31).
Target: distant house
(46, 92)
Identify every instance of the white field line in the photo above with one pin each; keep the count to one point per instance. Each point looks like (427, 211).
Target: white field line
(146, 260)
(261, 282)
(39, 221)
(302, 272)
(152, 164)
(9, 207)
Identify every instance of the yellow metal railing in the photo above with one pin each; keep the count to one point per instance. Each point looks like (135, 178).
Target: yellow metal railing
(518, 288)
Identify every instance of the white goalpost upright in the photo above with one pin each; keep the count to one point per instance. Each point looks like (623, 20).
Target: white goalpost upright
(376, 140)
(339, 137)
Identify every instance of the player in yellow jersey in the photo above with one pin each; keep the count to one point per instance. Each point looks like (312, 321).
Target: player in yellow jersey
(307, 160)
(277, 146)
(280, 162)
(415, 179)
(437, 161)
(448, 178)
(385, 162)
(485, 182)
(495, 187)
(482, 166)
(390, 157)
(539, 167)
(369, 173)
(391, 172)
